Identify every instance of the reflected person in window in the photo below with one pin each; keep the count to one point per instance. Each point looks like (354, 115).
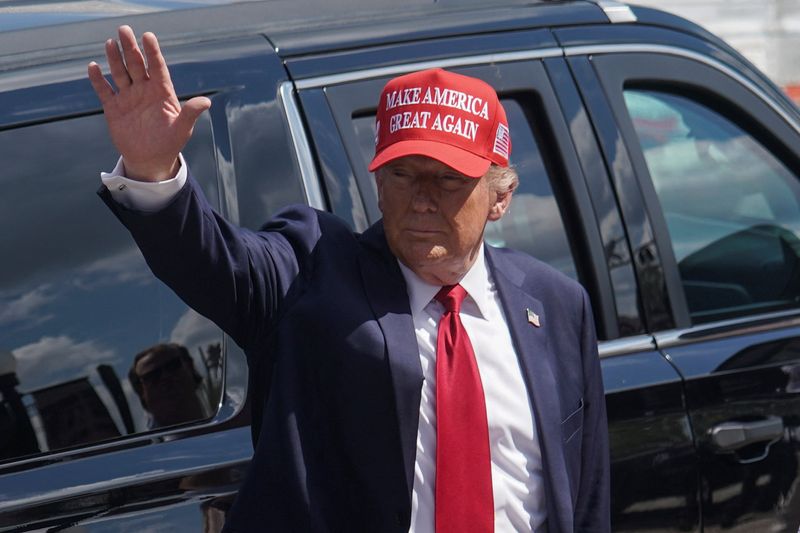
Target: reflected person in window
(168, 385)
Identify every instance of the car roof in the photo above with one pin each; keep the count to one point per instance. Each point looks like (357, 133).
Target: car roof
(37, 31)
(22, 14)
(293, 26)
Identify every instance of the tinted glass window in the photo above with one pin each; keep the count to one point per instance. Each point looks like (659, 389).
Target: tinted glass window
(731, 207)
(92, 346)
(534, 223)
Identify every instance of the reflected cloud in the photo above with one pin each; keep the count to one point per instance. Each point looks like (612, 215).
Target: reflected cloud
(29, 308)
(245, 113)
(125, 267)
(50, 359)
(258, 199)
(26, 307)
(70, 229)
(193, 329)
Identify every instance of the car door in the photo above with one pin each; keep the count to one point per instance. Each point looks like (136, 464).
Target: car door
(556, 215)
(715, 152)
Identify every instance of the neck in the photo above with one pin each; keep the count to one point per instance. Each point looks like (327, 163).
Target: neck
(446, 273)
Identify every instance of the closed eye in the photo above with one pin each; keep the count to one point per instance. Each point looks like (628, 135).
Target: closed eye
(452, 182)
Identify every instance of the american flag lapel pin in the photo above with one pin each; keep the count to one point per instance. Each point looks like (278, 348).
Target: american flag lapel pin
(533, 318)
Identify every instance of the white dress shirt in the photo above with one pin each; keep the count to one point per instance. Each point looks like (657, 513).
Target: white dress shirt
(517, 480)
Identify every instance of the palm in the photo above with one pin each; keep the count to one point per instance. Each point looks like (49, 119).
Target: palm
(145, 119)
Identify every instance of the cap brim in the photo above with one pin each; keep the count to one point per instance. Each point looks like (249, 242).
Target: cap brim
(454, 157)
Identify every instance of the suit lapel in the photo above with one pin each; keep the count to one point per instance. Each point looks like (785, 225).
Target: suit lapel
(387, 295)
(538, 368)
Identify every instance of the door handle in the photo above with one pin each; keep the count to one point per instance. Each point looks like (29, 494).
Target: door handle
(731, 436)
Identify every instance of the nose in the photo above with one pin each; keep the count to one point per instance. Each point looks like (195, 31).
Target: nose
(425, 199)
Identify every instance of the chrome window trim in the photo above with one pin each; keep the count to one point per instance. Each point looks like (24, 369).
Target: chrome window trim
(687, 54)
(617, 12)
(235, 442)
(626, 345)
(728, 328)
(405, 68)
(305, 160)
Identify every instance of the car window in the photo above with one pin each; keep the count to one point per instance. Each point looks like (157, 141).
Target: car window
(92, 346)
(732, 208)
(534, 223)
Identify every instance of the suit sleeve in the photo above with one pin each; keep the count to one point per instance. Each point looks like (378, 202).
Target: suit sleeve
(238, 278)
(592, 509)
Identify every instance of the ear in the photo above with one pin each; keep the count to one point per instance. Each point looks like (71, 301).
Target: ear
(500, 206)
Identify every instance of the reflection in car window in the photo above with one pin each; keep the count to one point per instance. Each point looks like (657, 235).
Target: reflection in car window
(534, 223)
(78, 303)
(731, 207)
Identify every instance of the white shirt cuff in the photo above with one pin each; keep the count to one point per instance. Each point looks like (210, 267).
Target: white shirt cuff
(146, 196)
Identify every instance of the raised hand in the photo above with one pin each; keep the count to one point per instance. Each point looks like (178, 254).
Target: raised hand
(146, 121)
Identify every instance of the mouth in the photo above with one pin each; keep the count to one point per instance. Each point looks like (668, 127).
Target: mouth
(426, 232)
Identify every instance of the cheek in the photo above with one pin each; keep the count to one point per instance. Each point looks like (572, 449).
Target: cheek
(469, 232)
(390, 199)
(392, 213)
(470, 219)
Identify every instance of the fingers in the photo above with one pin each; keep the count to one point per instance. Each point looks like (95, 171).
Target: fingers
(127, 66)
(133, 56)
(156, 65)
(116, 65)
(101, 86)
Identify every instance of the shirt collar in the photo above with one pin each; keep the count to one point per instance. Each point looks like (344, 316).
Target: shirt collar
(475, 282)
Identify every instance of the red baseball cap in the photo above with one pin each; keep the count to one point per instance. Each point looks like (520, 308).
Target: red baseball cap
(455, 119)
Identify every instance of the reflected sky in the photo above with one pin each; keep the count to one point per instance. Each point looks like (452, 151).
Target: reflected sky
(75, 291)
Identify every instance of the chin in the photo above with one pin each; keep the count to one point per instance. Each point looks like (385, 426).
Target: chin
(427, 255)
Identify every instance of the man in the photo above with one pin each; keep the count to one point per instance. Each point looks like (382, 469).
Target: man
(164, 378)
(406, 378)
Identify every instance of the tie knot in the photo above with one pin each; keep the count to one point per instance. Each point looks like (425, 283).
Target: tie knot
(451, 296)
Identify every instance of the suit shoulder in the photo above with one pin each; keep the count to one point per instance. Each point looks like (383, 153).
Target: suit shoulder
(307, 216)
(538, 278)
(535, 270)
(298, 222)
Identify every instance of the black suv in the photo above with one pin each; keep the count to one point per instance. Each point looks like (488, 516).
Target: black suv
(659, 168)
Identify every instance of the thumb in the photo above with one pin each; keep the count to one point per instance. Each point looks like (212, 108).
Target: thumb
(191, 110)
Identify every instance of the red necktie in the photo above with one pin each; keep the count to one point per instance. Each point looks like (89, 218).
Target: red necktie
(464, 501)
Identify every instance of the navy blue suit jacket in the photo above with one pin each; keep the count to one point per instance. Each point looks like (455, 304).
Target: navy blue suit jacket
(335, 373)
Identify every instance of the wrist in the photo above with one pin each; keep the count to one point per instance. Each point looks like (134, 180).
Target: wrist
(150, 174)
